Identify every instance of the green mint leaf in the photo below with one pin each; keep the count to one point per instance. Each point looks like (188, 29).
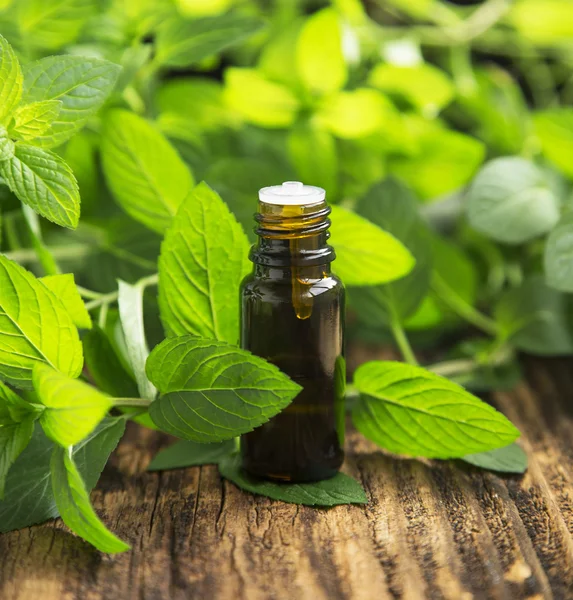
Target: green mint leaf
(28, 496)
(203, 259)
(11, 81)
(43, 181)
(533, 317)
(198, 99)
(554, 128)
(211, 391)
(340, 489)
(54, 25)
(511, 201)
(319, 55)
(35, 327)
(411, 411)
(33, 120)
(312, 151)
(277, 59)
(73, 408)
(366, 254)
(190, 454)
(424, 86)
(182, 43)
(356, 114)
(441, 160)
(81, 84)
(558, 258)
(7, 146)
(392, 207)
(105, 367)
(510, 459)
(74, 506)
(143, 170)
(130, 303)
(13, 441)
(258, 100)
(64, 288)
(14, 409)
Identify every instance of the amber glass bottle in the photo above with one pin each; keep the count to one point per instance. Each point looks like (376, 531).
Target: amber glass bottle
(292, 314)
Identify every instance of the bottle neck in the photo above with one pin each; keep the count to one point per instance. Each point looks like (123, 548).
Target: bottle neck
(292, 236)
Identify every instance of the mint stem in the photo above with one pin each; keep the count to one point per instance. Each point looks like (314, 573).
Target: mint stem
(113, 296)
(138, 402)
(402, 341)
(462, 308)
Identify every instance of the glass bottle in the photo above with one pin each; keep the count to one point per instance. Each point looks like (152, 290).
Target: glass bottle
(292, 314)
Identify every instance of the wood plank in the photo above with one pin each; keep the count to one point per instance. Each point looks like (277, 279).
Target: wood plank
(430, 530)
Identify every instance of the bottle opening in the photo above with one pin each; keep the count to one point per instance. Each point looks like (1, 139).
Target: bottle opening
(292, 193)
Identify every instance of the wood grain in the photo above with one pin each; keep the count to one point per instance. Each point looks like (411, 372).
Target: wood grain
(440, 530)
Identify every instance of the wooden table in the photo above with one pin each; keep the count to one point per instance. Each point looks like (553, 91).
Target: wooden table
(429, 531)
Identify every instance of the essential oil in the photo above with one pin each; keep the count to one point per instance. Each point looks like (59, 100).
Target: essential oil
(292, 314)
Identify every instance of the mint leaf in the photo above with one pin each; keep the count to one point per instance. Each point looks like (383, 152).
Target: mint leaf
(7, 146)
(558, 259)
(533, 317)
(29, 498)
(73, 408)
(130, 303)
(189, 454)
(411, 411)
(104, 366)
(11, 81)
(203, 259)
(340, 489)
(64, 288)
(34, 327)
(54, 25)
(319, 57)
(424, 86)
(182, 43)
(74, 506)
(43, 181)
(366, 254)
(146, 175)
(392, 207)
(510, 459)
(199, 99)
(356, 114)
(13, 440)
(211, 391)
(14, 409)
(259, 100)
(511, 201)
(554, 128)
(81, 84)
(33, 120)
(440, 161)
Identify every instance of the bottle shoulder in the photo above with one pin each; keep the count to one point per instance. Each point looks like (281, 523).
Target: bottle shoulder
(254, 285)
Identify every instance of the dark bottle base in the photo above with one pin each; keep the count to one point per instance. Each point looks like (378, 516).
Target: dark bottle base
(307, 474)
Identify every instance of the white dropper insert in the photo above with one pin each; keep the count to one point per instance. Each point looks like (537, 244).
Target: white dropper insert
(292, 193)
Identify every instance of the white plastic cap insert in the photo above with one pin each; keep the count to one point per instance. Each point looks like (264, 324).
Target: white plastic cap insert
(292, 193)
